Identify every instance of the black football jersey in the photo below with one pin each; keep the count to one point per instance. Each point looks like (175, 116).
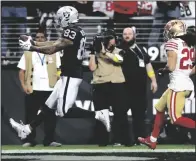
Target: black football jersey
(71, 61)
(131, 64)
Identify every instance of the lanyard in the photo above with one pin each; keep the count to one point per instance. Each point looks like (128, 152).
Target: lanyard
(42, 59)
(136, 53)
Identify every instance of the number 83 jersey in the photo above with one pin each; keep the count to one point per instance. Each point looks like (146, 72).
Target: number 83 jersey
(71, 61)
(179, 78)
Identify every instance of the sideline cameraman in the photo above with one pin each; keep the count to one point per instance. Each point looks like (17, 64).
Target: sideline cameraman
(109, 85)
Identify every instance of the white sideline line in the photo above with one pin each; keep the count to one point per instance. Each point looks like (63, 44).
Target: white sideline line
(64, 157)
(52, 151)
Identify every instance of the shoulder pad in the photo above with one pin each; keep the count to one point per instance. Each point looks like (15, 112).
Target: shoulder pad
(171, 44)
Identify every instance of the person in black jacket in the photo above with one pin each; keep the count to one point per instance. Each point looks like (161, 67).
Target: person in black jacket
(136, 67)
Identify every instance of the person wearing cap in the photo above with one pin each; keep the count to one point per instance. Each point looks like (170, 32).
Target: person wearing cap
(136, 68)
(109, 86)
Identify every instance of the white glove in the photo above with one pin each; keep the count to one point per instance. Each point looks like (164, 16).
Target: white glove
(25, 45)
(29, 37)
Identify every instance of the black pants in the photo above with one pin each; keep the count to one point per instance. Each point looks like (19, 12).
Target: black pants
(33, 103)
(137, 103)
(113, 94)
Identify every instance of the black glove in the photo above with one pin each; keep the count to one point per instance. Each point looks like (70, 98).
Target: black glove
(161, 72)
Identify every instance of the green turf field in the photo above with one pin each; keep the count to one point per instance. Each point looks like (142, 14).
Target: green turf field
(94, 152)
(14, 147)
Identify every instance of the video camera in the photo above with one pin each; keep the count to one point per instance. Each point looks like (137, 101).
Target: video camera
(104, 38)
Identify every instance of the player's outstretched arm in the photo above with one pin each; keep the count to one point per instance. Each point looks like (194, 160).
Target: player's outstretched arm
(46, 43)
(51, 49)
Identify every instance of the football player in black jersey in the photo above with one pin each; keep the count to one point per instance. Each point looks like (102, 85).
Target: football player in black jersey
(65, 91)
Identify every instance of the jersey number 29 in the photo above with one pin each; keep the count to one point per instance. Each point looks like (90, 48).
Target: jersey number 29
(189, 54)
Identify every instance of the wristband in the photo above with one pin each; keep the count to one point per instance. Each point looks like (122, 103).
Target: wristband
(115, 59)
(58, 73)
(151, 74)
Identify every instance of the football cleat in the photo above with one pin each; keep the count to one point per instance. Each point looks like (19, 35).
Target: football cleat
(104, 117)
(148, 142)
(22, 130)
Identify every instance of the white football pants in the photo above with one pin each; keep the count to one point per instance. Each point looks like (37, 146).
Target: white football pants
(64, 95)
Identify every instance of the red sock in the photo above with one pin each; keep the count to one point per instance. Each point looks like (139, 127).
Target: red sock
(158, 122)
(185, 122)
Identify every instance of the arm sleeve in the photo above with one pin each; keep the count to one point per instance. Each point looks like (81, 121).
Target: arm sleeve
(21, 63)
(171, 46)
(58, 60)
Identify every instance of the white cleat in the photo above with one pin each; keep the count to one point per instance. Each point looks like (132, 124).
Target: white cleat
(22, 130)
(104, 117)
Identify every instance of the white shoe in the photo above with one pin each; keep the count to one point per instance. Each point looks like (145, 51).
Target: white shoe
(28, 144)
(104, 117)
(22, 130)
(117, 144)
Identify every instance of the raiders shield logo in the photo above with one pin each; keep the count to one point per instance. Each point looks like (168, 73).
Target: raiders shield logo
(66, 15)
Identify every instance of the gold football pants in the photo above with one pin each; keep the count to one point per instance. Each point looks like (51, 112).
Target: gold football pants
(174, 101)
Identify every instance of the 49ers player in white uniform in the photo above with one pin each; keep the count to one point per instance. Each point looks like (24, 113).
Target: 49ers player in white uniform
(179, 66)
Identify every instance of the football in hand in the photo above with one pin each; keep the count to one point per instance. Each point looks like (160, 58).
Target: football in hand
(25, 38)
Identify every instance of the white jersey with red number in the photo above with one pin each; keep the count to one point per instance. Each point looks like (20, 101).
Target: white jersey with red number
(179, 78)
(105, 7)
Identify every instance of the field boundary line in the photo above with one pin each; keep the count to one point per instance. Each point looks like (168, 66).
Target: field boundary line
(56, 151)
